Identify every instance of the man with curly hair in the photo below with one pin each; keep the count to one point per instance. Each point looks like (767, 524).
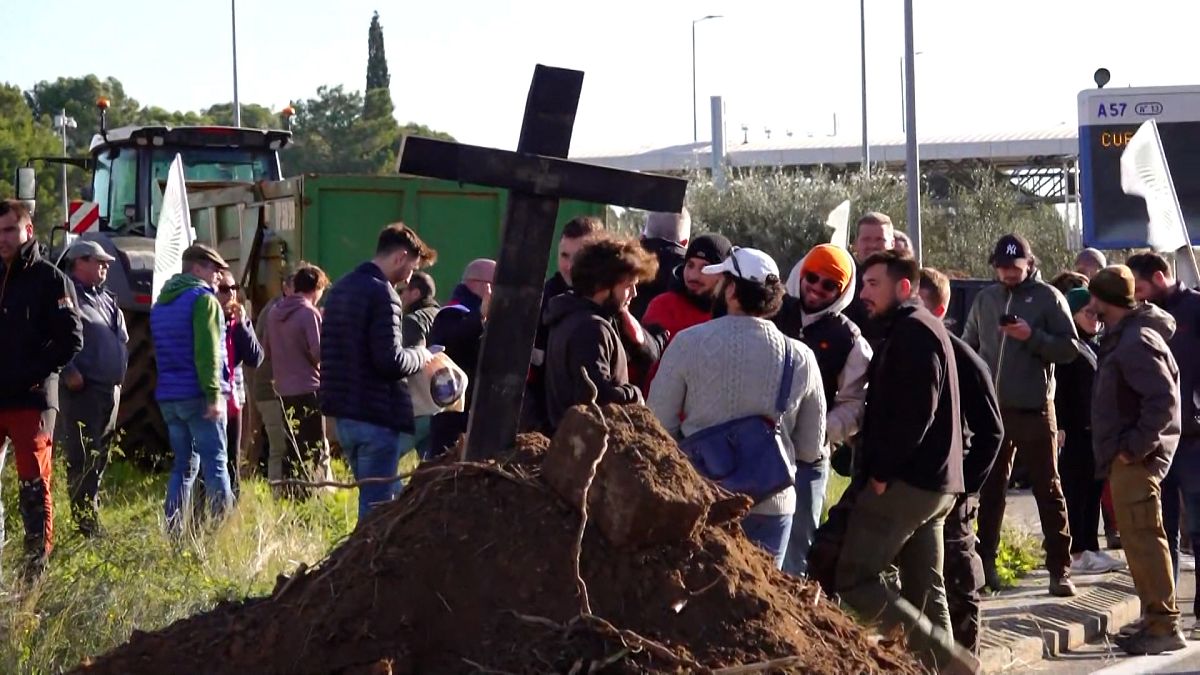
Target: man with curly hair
(582, 335)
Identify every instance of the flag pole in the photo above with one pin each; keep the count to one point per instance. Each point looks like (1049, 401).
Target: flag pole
(1184, 255)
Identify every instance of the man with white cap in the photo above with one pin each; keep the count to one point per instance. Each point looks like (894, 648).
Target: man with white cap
(740, 366)
(90, 387)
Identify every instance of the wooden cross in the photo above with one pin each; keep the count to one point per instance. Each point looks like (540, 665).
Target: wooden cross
(537, 177)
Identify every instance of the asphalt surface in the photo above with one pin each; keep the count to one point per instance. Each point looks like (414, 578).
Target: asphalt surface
(1102, 657)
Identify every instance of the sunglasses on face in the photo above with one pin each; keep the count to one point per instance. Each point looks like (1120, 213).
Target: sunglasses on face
(227, 288)
(827, 285)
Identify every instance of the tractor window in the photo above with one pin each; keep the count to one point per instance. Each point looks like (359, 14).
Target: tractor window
(121, 188)
(100, 183)
(216, 164)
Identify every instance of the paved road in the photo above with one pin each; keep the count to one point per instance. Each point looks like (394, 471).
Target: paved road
(1101, 657)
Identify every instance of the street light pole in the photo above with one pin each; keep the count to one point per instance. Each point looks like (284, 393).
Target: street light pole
(912, 172)
(237, 108)
(862, 36)
(62, 123)
(695, 118)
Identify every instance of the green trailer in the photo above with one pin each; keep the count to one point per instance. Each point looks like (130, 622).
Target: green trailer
(332, 221)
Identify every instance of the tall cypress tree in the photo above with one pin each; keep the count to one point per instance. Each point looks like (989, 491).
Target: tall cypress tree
(377, 69)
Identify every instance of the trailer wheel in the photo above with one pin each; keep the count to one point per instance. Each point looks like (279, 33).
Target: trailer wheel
(143, 432)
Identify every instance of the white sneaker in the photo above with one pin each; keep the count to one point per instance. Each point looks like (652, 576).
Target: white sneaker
(1109, 563)
(1085, 564)
(1089, 562)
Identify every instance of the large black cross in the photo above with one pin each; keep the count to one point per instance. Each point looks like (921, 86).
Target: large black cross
(536, 178)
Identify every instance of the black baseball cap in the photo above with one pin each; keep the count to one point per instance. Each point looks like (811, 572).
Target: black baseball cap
(1010, 248)
(711, 248)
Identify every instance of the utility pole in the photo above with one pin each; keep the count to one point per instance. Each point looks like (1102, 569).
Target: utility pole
(912, 169)
(62, 123)
(237, 108)
(862, 37)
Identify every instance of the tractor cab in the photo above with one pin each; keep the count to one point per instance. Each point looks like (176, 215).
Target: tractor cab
(130, 166)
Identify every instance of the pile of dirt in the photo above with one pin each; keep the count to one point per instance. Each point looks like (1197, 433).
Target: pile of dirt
(474, 569)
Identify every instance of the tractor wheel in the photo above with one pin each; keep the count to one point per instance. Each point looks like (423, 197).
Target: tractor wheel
(143, 433)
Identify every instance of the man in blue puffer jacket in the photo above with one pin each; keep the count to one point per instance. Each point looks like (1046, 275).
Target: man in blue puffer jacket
(188, 328)
(364, 362)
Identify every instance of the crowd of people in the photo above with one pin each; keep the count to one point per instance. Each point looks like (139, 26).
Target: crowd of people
(769, 382)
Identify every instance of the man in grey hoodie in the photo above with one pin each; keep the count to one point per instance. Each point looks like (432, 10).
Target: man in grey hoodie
(1021, 327)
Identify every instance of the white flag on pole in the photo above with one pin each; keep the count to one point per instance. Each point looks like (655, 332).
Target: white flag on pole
(175, 231)
(839, 220)
(1145, 174)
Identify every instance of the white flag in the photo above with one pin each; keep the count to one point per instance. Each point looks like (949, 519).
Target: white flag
(175, 231)
(839, 220)
(1145, 174)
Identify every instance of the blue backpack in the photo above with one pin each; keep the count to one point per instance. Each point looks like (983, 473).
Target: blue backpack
(746, 455)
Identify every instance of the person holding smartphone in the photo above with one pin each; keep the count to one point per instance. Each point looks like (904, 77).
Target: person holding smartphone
(1022, 328)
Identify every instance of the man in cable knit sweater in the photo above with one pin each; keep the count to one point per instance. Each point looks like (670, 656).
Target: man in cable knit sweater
(731, 367)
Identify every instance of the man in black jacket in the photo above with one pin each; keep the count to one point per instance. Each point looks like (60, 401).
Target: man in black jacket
(983, 433)
(1154, 283)
(458, 327)
(912, 469)
(420, 307)
(665, 236)
(363, 362)
(583, 335)
(40, 332)
(574, 235)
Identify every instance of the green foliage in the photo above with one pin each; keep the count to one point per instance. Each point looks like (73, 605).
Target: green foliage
(153, 115)
(254, 116)
(23, 135)
(78, 96)
(345, 132)
(784, 214)
(1020, 552)
(377, 68)
(834, 488)
(961, 234)
(96, 592)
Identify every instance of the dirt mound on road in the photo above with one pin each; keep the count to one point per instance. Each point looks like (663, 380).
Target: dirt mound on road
(474, 569)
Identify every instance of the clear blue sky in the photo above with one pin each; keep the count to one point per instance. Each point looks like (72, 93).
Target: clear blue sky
(464, 66)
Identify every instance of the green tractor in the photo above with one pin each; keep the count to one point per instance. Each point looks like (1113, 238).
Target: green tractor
(128, 168)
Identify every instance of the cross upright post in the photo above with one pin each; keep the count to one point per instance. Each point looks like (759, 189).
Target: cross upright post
(537, 177)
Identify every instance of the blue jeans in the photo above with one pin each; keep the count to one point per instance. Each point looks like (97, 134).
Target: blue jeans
(197, 443)
(372, 452)
(770, 533)
(810, 501)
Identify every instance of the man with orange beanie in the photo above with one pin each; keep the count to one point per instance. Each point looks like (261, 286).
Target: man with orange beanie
(818, 291)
